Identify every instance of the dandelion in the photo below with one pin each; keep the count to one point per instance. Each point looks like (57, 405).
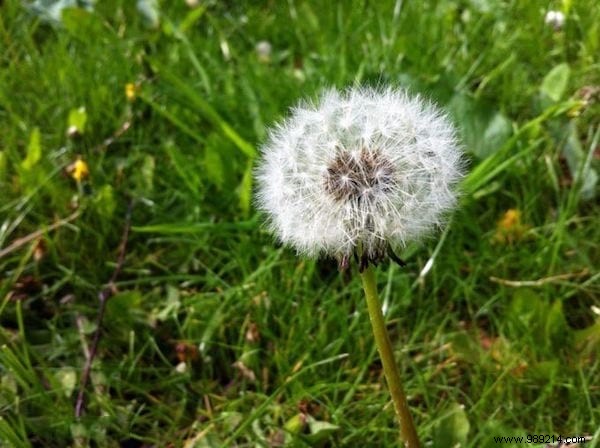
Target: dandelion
(78, 170)
(358, 175)
(264, 49)
(510, 228)
(555, 19)
(72, 131)
(131, 91)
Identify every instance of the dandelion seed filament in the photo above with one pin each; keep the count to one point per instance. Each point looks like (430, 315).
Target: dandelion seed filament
(351, 178)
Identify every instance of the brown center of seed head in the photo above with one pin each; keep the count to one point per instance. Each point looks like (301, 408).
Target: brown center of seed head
(353, 177)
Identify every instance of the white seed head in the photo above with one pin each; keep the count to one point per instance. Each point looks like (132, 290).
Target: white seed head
(555, 19)
(358, 172)
(263, 50)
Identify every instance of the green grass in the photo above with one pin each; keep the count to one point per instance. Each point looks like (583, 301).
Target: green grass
(480, 358)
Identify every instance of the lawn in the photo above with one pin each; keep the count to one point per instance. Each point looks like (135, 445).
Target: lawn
(142, 124)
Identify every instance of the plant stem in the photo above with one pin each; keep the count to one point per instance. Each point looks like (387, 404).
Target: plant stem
(105, 294)
(407, 427)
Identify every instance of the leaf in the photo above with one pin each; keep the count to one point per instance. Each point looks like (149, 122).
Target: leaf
(497, 131)
(121, 309)
(296, 424)
(218, 227)
(205, 108)
(3, 165)
(555, 82)
(184, 170)
(83, 24)
(452, 429)
(498, 428)
(79, 431)
(544, 371)
(531, 316)
(192, 17)
(170, 306)
(576, 159)
(86, 326)
(483, 128)
(465, 347)
(482, 174)
(525, 309)
(556, 328)
(9, 389)
(13, 362)
(587, 340)
(150, 12)
(485, 6)
(320, 431)
(34, 150)
(231, 420)
(566, 6)
(245, 190)
(203, 439)
(213, 162)
(105, 201)
(11, 434)
(67, 377)
(144, 178)
(76, 121)
(52, 10)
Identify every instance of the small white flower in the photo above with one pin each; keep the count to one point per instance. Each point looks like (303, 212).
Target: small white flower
(358, 173)
(555, 19)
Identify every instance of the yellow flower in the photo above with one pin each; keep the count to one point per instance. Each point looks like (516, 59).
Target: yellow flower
(130, 91)
(509, 227)
(511, 218)
(79, 170)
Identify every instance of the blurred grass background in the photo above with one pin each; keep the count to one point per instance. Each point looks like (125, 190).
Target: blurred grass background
(218, 337)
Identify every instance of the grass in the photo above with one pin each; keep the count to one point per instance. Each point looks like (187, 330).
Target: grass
(218, 337)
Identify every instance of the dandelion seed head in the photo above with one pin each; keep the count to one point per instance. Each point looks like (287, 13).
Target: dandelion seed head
(555, 19)
(264, 49)
(358, 171)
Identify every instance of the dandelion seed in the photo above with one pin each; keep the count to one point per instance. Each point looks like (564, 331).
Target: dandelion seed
(359, 172)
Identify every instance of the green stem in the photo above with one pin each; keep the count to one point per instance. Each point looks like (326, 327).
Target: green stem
(390, 369)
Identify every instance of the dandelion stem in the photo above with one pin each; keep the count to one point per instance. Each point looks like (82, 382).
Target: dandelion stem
(407, 428)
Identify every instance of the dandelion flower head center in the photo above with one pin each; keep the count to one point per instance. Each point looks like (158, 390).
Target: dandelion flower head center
(354, 176)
